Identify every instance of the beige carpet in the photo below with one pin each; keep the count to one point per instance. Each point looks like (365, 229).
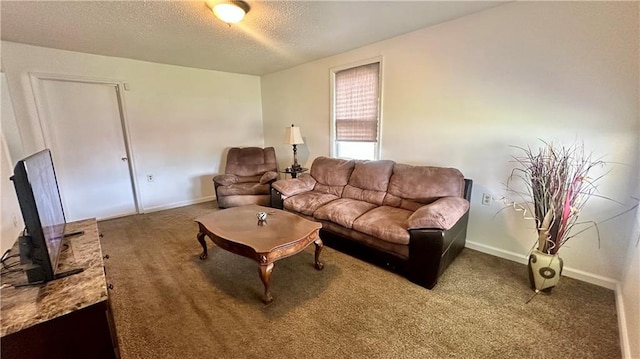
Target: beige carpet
(169, 304)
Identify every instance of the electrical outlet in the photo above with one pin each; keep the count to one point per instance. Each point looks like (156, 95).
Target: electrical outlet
(149, 178)
(486, 199)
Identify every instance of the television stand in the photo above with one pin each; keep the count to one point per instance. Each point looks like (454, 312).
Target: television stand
(69, 317)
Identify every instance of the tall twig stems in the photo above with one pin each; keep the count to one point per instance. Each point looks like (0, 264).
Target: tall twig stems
(557, 179)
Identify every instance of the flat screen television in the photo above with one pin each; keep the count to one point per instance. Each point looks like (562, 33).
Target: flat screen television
(37, 190)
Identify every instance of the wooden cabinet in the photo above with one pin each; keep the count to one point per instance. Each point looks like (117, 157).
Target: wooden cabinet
(65, 318)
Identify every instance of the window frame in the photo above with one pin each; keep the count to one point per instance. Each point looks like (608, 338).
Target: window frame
(334, 144)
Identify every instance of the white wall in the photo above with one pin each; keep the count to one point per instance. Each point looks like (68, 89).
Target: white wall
(629, 296)
(629, 291)
(461, 93)
(181, 120)
(8, 120)
(10, 218)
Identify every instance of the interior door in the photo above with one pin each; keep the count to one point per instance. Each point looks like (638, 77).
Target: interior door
(84, 130)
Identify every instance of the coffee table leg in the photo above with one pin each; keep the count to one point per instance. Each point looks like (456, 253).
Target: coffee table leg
(204, 254)
(319, 246)
(265, 275)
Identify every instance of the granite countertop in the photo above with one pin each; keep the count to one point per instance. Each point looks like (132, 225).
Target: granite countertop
(27, 306)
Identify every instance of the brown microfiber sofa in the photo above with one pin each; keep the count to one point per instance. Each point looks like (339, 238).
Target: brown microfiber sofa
(411, 219)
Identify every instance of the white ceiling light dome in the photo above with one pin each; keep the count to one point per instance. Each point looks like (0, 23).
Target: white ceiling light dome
(230, 12)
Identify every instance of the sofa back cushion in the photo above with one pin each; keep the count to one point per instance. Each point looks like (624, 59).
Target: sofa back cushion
(369, 181)
(331, 174)
(251, 161)
(410, 187)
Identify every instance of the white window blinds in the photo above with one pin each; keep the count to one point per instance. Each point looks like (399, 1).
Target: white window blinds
(356, 101)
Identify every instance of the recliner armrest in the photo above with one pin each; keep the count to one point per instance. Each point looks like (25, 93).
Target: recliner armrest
(291, 187)
(225, 179)
(268, 177)
(444, 213)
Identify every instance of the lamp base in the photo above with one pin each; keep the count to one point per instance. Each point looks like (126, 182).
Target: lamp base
(295, 166)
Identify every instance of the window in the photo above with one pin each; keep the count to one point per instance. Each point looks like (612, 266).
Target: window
(356, 112)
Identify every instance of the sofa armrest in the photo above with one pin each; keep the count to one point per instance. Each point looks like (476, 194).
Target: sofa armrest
(432, 250)
(291, 187)
(268, 177)
(444, 213)
(225, 180)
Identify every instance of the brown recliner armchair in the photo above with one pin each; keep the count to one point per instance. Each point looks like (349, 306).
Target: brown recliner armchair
(248, 177)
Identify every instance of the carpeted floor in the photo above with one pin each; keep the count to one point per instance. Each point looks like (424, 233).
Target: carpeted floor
(169, 304)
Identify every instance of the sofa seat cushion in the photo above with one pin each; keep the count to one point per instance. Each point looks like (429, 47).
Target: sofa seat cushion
(343, 211)
(243, 189)
(307, 203)
(386, 223)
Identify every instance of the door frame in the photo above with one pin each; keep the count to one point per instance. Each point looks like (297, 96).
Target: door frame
(37, 78)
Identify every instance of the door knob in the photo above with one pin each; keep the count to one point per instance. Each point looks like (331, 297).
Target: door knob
(124, 159)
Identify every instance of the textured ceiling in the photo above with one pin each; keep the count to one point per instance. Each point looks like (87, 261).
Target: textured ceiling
(274, 35)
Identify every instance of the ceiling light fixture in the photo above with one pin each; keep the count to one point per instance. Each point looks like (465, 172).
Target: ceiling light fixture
(230, 12)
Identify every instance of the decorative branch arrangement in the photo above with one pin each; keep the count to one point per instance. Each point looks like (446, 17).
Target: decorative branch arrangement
(558, 183)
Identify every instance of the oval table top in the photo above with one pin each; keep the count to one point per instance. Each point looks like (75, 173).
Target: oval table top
(241, 225)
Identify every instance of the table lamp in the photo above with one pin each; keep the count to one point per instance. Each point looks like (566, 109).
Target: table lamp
(293, 137)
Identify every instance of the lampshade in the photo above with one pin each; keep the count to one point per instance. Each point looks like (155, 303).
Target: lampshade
(230, 12)
(292, 135)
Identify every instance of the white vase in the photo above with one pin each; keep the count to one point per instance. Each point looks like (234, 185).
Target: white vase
(544, 270)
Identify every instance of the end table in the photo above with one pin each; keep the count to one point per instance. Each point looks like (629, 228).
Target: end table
(294, 173)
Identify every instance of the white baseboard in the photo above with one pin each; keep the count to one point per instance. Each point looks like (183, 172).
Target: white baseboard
(512, 256)
(622, 324)
(601, 281)
(598, 280)
(178, 204)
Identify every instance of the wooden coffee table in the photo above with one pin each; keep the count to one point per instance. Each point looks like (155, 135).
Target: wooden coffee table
(238, 231)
